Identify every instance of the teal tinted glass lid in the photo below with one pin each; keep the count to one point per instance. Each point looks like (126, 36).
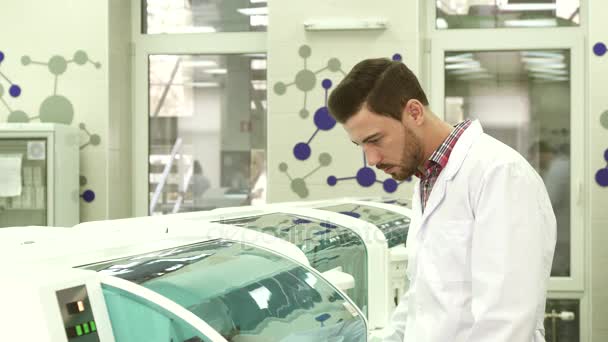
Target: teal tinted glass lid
(393, 225)
(327, 245)
(243, 291)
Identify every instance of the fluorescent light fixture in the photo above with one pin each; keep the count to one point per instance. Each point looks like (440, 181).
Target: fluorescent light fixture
(258, 1)
(203, 63)
(464, 65)
(253, 11)
(258, 64)
(258, 20)
(218, 71)
(549, 71)
(339, 24)
(542, 60)
(527, 7)
(530, 23)
(258, 84)
(550, 77)
(546, 66)
(463, 57)
(467, 71)
(542, 54)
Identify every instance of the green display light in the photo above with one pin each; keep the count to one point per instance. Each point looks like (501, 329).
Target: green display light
(78, 330)
(86, 328)
(93, 326)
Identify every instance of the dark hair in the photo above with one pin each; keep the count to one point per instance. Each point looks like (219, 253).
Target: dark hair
(383, 85)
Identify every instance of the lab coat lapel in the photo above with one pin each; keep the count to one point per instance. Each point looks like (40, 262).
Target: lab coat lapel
(459, 153)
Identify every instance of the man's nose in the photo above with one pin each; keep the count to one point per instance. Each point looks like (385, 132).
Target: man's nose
(371, 155)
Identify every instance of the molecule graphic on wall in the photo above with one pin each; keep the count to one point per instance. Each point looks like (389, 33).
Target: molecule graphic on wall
(366, 177)
(14, 90)
(601, 176)
(57, 108)
(322, 120)
(305, 81)
(298, 185)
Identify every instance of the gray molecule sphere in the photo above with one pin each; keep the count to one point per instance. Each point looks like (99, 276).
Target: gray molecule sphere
(305, 80)
(57, 65)
(304, 113)
(334, 64)
(305, 51)
(95, 139)
(57, 109)
(280, 88)
(18, 116)
(26, 60)
(324, 159)
(604, 119)
(298, 186)
(83, 181)
(283, 167)
(80, 57)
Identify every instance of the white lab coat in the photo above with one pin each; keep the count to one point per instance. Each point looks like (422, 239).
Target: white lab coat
(481, 253)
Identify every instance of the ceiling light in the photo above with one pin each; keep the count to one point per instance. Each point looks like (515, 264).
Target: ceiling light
(253, 11)
(202, 84)
(218, 71)
(549, 71)
(464, 57)
(258, 64)
(467, 71)
(546, 66)
(463, 65)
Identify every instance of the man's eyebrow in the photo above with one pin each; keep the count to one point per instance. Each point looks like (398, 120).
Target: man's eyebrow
(371, 137)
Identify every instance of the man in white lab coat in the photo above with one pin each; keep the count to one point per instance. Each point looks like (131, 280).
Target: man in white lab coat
(483, 233)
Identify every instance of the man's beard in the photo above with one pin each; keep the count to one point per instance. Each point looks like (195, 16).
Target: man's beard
(411, 157)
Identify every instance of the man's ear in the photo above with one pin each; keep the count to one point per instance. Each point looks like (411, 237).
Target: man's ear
(413, 112)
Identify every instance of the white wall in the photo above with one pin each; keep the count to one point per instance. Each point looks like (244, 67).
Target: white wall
(41, 30)
(286, 35)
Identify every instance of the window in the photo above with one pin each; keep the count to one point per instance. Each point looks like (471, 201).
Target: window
(459, 14)
(207, 131)
(203, 16)
(522, 98)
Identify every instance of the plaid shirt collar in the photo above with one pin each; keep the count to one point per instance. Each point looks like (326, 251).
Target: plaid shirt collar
(439, 158)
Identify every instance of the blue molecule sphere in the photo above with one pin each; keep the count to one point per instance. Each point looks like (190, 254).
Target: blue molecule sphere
(332, 180)
(366, 176)
(599, 49)
(1, 56)
(14, 90)
(390, 185)
(323, 120)
(88, 196)
(328, 225)
(601, 177)
(351, 214)
(301, 221)
(397, 57)
(606, 155)
(301, 151)
(326, 84)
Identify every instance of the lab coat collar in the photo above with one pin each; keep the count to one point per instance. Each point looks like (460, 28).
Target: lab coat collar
(457, 157)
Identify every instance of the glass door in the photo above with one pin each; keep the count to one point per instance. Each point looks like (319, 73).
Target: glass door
(23, 182)
(528, 94)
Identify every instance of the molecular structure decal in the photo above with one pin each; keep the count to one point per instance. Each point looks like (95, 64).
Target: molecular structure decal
(305, 81)
(14, 90)
(56, 108)
(601, 176)
(366, 177)
(298, 185)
